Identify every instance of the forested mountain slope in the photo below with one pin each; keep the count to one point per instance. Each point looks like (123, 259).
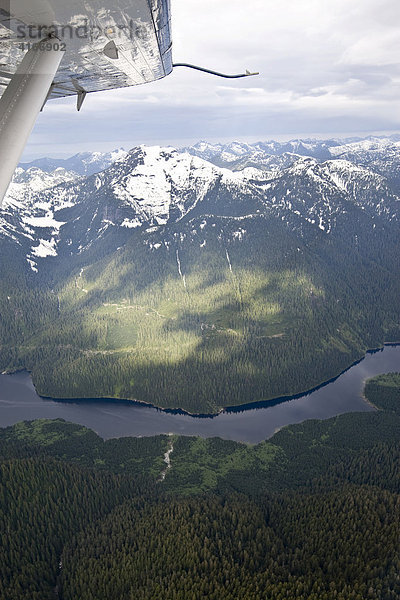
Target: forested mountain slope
(166, 273)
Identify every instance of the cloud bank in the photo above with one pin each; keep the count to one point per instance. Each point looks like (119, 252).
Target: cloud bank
(326, 66)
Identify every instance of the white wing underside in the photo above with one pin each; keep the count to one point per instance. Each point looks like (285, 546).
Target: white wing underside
(109, 43)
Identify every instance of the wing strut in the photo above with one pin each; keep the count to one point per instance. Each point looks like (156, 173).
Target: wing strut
(22, 101)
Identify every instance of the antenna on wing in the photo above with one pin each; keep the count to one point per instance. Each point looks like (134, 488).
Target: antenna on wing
(211, 72)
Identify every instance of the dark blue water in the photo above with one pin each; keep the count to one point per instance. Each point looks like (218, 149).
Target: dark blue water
(19, 401)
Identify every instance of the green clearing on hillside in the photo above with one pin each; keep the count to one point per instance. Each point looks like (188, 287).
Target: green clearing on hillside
(283, 315)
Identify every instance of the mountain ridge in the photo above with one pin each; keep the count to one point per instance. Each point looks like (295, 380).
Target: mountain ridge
(153, 186)
(166, 273)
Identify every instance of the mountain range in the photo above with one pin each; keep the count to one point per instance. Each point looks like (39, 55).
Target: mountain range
(152, 187)
(244, 271)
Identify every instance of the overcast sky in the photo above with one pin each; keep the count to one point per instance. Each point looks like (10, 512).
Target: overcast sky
(327, 67)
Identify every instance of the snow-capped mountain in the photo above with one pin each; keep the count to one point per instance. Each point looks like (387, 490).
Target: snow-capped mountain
(322, 192)
(378, 153)
(83, 163)
(263, 155)
(162, 184)
(154, 189)
(149, 187)
(168, 272)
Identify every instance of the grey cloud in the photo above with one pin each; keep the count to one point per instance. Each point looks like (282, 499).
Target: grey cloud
(325, 67)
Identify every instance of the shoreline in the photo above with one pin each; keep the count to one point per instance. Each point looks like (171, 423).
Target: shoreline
(363, 396)
(371, 404)
(229, 409)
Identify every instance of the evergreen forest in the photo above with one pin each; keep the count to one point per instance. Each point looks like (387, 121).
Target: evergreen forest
(275, 314)
(311, 514)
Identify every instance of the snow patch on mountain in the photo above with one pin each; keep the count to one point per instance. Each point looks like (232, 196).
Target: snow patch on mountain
(43, 222)
(45, 248)
(131, 224)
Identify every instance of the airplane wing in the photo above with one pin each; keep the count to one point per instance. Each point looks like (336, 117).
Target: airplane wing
(108, 43)
(56, 48)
